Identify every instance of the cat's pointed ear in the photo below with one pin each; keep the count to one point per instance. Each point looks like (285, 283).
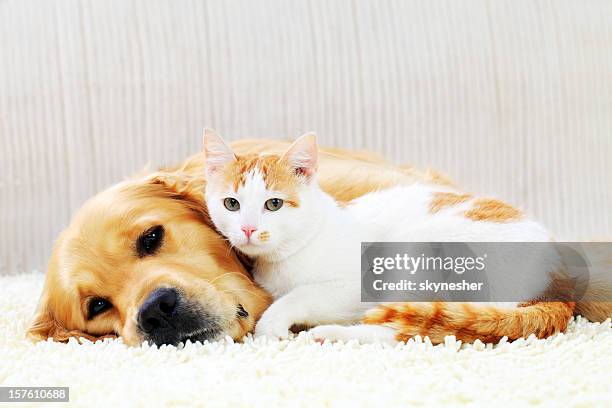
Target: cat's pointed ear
(303, 155)
(216, 151)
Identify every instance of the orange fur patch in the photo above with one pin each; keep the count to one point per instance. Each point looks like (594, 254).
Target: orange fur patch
(442, 200)
(489, 209)
(264, 236)
(275, 171)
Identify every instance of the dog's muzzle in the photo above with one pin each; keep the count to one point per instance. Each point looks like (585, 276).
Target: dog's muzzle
(168, 317)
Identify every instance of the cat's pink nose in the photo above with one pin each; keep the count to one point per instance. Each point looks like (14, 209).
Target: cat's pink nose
(248, 230)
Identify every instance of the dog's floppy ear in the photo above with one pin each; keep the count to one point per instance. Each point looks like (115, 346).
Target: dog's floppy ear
(45, 323)
(44, 326)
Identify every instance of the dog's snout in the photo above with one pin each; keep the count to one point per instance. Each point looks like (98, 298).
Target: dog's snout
(167, 316)
(158, 310)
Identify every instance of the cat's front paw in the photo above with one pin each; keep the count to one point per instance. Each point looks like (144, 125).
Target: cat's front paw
(330, 332)
(272, 327)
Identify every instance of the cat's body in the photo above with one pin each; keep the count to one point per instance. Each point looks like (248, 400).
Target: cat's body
(307, 251)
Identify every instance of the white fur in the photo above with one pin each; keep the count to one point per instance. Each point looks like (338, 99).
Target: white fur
(311, 263)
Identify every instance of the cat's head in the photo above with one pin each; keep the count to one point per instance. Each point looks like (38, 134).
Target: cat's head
(260, 203)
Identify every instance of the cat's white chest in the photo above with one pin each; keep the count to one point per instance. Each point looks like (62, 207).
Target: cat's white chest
(331, 257)
(276, 278)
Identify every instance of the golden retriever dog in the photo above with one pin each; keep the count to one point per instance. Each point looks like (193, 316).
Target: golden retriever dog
(142, 260)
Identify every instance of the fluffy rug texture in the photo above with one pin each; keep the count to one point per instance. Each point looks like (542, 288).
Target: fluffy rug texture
(570, 369)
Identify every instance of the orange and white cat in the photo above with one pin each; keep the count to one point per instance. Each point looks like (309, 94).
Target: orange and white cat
(306, 246)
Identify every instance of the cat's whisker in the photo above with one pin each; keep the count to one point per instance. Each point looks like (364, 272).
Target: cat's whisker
(229, 273)
(251, 292)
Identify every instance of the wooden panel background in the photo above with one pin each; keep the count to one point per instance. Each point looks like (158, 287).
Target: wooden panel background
(511, 98)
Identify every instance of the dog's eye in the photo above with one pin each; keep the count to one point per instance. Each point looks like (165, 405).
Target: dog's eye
(242, 312)
(150, 241)
(274, 204)
(231, 204)
(97, 306)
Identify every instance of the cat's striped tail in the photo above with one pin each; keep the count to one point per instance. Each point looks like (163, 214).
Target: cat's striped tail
(471, 321)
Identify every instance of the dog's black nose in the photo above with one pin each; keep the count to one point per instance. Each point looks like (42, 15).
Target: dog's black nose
(158, 311)
(169, 317)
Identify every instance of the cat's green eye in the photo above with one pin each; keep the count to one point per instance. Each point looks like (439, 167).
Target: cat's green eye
(231, 204)
(274, 204)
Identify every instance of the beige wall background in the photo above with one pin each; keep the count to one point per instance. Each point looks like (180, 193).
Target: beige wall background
(510, 98)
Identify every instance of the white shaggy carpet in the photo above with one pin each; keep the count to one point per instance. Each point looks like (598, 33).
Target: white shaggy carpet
(571, 369)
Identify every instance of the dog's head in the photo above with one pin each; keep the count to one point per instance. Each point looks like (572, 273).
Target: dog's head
(141, 260)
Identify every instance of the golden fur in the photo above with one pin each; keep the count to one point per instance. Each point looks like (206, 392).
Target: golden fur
(95, 256)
